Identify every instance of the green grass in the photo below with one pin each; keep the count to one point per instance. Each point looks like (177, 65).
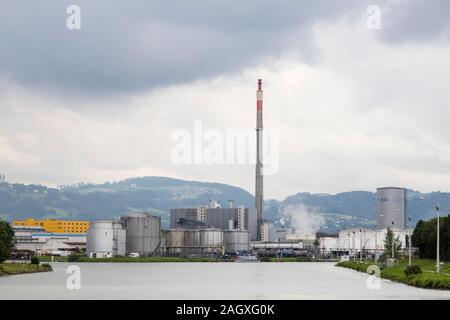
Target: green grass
(55, 259)
(16, 268)
(426, 264)
(427, 279)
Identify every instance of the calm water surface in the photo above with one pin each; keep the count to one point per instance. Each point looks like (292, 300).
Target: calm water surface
(207, 281)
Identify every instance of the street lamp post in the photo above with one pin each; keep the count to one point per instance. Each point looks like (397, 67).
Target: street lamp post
(376, 246)
(360, 245)
(393, 238)
(409, 241)
(349, 245)
(438, 266)
(354, 247)
(436, 206)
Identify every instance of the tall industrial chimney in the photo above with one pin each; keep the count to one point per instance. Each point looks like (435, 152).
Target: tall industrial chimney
(259, 200)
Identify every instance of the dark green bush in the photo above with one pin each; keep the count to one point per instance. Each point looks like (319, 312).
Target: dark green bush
(35, 260)
(265, 259)
(46, 266)
(412, 270)
(303, 259)
(73, 257)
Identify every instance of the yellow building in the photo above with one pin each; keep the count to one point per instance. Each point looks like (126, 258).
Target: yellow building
(56, 226)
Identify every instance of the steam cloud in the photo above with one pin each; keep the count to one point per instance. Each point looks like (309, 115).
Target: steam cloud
(303, 220)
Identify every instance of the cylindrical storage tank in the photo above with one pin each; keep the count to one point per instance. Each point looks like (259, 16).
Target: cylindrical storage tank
(192, 239)
(143, 233)
(105, 238)
(175, 241)
(211, 238)
(391, 208)
(236, 240)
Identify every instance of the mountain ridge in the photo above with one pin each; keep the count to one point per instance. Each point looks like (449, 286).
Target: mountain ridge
(158, 194)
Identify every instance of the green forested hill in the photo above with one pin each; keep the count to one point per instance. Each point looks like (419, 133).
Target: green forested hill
(159, 194)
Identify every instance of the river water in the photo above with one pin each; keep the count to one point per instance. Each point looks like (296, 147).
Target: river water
(207, 281)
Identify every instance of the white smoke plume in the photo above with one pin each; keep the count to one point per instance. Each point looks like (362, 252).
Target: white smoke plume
(304, 220)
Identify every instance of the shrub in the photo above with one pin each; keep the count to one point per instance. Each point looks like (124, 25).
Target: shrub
(46, 266)
(35, 260)
(412, 270)
(265, 259)
(73, 257)
(303, 259)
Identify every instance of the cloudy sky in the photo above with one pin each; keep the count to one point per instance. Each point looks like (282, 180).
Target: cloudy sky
(355, 107)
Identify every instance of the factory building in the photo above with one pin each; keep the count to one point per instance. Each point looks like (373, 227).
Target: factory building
(142, 233)
(233, 218)
(38, 240)
(391, 208)
(55, 226)
(240, 218)
(352, 241)
(231, 229)
(105, 239)
(188, 218)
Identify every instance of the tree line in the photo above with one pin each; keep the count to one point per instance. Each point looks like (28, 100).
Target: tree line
(424, 238)
(6, 240)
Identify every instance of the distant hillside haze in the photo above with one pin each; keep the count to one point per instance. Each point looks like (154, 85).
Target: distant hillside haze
(159, 194)
(110, 200)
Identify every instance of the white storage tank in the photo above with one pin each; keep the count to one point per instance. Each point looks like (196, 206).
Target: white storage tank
(105, 238)
(143, 233)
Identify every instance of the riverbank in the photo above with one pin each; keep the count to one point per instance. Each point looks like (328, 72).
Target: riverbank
(426, 279)
(129, 259)
(20, 268)
(170, 259)
(291, 259)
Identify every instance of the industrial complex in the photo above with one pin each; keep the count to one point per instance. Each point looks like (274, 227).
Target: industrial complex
(211, 230)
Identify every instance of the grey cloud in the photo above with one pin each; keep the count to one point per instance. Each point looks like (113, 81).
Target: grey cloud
(416, 20)
(125, 47)
(128, 47)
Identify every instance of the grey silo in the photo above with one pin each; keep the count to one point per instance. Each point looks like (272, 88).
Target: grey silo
(236, 240)
(391, 207)
(143, 233)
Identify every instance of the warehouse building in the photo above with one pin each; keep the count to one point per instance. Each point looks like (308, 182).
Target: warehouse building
(54, 225)
(351, 241)
(38, 240)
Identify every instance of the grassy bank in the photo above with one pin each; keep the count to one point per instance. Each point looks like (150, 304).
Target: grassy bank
(426, 279)
(13, 268)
